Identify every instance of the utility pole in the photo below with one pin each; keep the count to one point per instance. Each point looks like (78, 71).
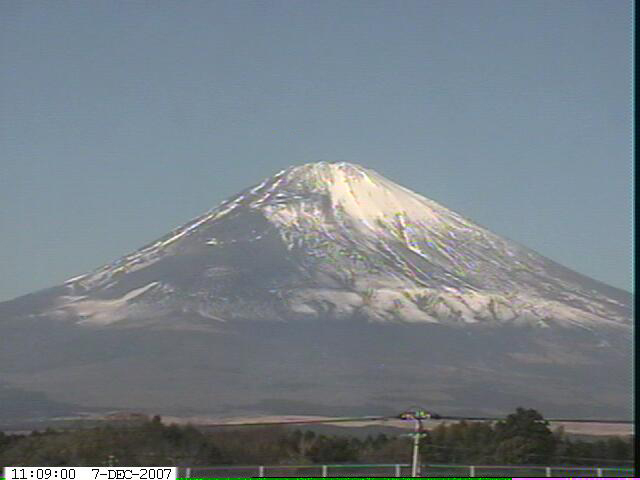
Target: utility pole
(415, 462)
(416, 415)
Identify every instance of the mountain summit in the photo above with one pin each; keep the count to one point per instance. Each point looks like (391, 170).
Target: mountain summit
(301, 293)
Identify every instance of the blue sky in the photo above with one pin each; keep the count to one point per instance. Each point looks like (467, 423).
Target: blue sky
(123, 120)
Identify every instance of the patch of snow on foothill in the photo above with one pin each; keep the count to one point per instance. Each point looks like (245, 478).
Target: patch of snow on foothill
(102, 312)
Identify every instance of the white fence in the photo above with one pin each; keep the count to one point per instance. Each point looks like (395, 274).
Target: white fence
(400, 470)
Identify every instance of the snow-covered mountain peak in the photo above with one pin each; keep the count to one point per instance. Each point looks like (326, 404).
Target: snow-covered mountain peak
(341, 237)
(325, 177)
(322, 177)
(347, 190)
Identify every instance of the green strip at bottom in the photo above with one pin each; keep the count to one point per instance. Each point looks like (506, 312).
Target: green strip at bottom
(344, 478)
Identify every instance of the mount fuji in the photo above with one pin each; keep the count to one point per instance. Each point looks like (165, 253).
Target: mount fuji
(326, 288)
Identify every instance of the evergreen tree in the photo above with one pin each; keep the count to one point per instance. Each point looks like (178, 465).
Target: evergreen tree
(524, 437)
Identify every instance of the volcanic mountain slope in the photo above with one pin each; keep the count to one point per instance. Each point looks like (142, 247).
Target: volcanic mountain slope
(339, 253)
(338, 240)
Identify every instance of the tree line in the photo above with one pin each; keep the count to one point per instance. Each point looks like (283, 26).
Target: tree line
(524, 437)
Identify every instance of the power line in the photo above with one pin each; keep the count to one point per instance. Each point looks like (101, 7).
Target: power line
(554, 420)
(397, 417)
(302, 422)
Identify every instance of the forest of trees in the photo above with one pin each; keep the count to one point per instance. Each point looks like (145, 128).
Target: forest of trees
(524, 437)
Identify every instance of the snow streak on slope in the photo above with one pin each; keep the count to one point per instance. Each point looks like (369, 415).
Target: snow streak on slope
(339, 240)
